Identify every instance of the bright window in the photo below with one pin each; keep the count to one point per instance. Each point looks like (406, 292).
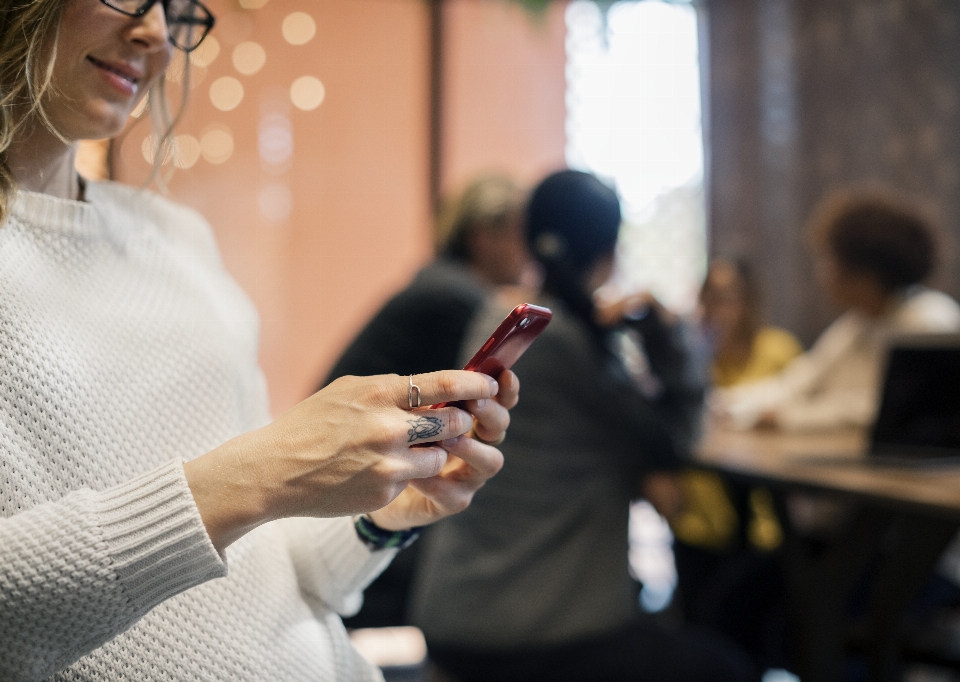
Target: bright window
(634, 118)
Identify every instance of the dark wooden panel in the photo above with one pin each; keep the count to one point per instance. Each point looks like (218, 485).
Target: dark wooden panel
(807, 96)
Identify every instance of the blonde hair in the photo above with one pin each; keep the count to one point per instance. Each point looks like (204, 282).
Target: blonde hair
(164, 123)
(485, 204)
(28, 51)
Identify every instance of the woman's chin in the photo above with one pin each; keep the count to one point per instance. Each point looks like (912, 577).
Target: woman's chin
(96, 123)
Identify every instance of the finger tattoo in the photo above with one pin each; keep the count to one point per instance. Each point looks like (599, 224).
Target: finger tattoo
(422, 428)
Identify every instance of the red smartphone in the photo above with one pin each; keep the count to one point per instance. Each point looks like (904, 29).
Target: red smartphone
(505, 346)
(510, 340)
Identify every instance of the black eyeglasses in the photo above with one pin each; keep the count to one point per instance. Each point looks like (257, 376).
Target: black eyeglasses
(188, 21)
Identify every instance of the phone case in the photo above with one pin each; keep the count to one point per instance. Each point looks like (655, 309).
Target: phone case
(505, 346)
(510, 340)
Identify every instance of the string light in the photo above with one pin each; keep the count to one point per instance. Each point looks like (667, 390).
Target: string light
(216, 144)
(226, 93)
(307, 93)
(275, 202)
(298, 28)
(187, 151)
(249, 57)
(204, 55)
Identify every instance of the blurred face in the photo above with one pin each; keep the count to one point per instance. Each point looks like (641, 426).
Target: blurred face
(850, 289)
(722, 301)
(600, 273)
(501, 255)
(105, 64)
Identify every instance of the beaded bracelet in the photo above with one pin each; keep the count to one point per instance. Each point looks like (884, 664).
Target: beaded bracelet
(375, 537)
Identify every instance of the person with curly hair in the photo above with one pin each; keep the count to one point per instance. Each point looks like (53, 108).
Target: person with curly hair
(874, 251)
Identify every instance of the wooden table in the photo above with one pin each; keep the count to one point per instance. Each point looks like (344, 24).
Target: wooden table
(900, 521)
(835, 463)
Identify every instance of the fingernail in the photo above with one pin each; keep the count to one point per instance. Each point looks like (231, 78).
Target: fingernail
(449, 442)
(481, 403)
(494, 386)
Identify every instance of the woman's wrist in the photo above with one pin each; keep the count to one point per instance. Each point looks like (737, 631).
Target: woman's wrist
(376, 538)
(229, 506)
(383, 520)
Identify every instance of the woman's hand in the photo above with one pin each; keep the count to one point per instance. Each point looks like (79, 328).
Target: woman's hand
(470, 463)
(351, 447)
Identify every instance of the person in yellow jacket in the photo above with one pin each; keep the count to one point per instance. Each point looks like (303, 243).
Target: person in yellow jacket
(743, 350)
(723, 535)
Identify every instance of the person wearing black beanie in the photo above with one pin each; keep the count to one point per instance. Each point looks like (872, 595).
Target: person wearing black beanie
(573, 221)
(532, 582)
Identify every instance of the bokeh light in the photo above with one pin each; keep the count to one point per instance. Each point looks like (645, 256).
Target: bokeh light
(187, 151)
(275, 142)
(298, 28)
(249, 57)
(226, 93)
(149, 150)
(208, 51)
(275, 202)
(307, 93)
(216, 143)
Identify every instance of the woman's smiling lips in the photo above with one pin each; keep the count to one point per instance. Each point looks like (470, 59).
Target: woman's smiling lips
(121, 76)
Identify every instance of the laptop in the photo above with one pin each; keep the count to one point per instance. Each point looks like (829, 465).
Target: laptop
(918, 420)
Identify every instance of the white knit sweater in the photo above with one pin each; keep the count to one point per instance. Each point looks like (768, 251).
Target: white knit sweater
(126, 348)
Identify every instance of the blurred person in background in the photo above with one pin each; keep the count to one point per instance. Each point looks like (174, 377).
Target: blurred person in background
(873, 252)
(723, 533)
(534, 583)
(743, 348)
(482, 246)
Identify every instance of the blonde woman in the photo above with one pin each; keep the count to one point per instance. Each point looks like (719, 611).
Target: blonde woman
(153, 519)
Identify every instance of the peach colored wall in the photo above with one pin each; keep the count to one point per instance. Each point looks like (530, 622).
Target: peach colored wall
(358, 176)
(503, 90)
(359, 224)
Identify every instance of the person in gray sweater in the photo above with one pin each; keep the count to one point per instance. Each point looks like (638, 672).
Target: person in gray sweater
(532, 582)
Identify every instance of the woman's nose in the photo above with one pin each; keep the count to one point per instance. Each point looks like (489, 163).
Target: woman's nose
(151, 29)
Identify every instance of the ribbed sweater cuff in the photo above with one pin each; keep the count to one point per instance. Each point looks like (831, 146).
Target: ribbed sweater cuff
(332, 564)
(155, 537)
(345, 555)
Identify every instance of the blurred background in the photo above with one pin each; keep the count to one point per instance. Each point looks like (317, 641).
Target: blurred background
(321, 135)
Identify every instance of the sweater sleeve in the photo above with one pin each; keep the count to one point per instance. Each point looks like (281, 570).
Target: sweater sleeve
(333, 566)
(77, 572)
(831, 410)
